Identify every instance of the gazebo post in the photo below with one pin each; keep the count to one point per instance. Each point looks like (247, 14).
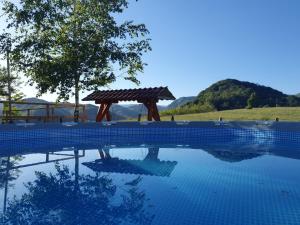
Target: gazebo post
(152, 110)
(104, 112)
(155, 112)
(149, 111)
(107, 113)
(99, 114)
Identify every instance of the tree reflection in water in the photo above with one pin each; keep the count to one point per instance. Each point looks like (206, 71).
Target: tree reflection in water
(6, 174)
(72, 199)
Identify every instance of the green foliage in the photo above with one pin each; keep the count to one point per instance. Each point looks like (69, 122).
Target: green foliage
(74, 45)
(3, 82)
(180, 102)
(67, 198)
(189, 108)
(233, 94)
(16, 94)
(251, 102)
(292, 100)
(14, 87)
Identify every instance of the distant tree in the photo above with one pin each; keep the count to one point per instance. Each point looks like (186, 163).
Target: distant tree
(14, 86)
(6, 43)
(9, 91)
(74, 45)
(293, 101)
(3, 85)
(251, 101)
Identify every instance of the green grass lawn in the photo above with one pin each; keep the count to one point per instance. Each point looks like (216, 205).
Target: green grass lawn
(283, 113)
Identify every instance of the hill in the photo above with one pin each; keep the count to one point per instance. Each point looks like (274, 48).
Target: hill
(128, 111)
(234, 94)
(180, 102)
(92, 111)
(283, 113)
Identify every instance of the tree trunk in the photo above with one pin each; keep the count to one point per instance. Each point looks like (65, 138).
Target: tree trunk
(9, 88)
(77, 77)
(76, 110)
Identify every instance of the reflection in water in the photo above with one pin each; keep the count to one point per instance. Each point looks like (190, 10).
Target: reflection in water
(7, 174)
(66, 197)
(231, 155)
(10, 169)
(69, 198)
(151, 165)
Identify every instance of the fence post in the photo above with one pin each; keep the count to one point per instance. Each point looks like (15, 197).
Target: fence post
(52, 114)
(28, 115)
(84, 115)
(47, 112)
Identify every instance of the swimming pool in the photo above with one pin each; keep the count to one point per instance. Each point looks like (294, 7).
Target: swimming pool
(151, 173)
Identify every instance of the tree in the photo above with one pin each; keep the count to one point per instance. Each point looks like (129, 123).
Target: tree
(9, 85)
(5, 48)
(7, 174)
(9, 90)
(3, 84)
(73, 45)
(251, 102)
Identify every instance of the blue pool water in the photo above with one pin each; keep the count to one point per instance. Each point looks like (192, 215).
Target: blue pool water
(236, 178)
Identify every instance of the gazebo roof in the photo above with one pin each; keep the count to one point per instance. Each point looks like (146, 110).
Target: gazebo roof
(140, 167)
(157, 93)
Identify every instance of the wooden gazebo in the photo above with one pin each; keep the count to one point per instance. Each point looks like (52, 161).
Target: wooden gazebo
(148, 96)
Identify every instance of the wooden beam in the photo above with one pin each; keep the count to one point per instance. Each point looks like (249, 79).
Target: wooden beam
(148, 106)
(98, 118)
(105, 102)
(104, 112)
(108, 116)
(149, 113)
(155, 112)
(47, 112)
(152, 110)
(28, 115)
(84, 114)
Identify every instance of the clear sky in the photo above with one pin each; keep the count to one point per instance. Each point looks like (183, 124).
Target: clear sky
(198, 42)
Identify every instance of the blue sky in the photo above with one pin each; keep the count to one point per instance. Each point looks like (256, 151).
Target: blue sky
(198, 42)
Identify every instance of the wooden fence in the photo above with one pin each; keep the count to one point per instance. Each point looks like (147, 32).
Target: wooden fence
(49, 109)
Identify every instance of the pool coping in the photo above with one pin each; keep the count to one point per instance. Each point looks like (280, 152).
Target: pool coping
(257, 125)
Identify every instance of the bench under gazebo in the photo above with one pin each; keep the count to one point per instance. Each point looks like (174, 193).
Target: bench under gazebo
(147, 96)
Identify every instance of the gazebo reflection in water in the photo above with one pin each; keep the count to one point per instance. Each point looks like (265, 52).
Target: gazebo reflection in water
(150, 165)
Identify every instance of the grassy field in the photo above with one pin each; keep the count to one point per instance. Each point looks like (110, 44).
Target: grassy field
(283, 113)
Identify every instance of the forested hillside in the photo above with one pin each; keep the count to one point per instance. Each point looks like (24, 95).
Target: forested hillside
(234, 94)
